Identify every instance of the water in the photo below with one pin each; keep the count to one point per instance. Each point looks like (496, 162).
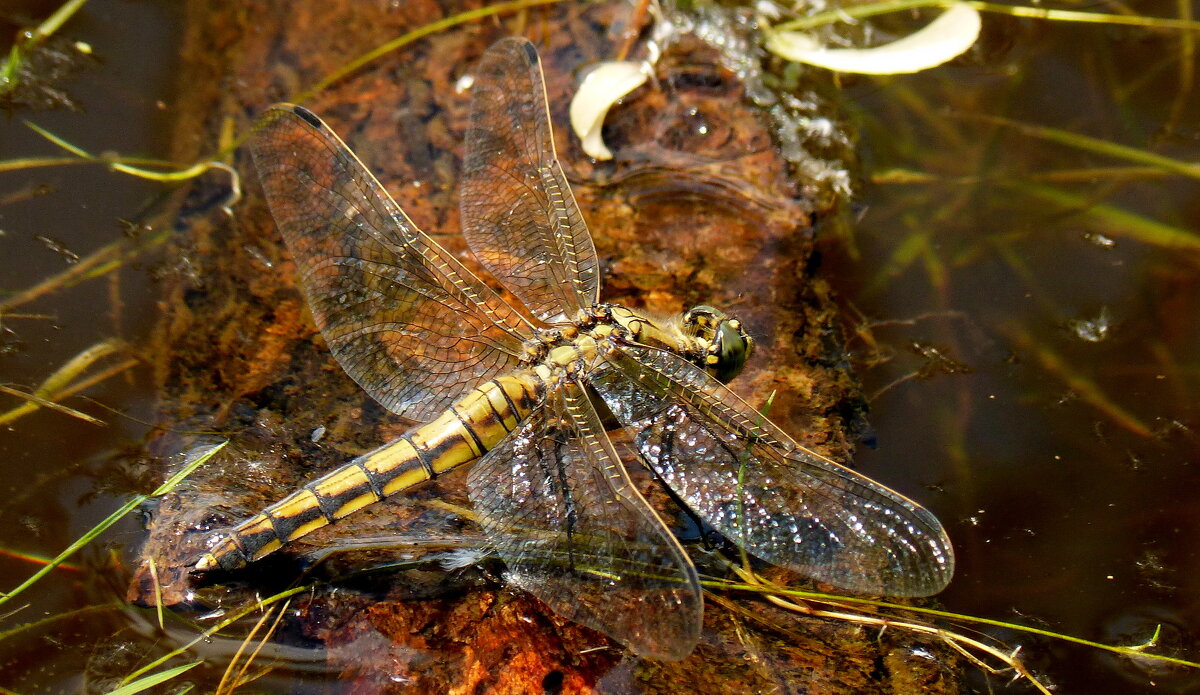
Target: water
(1060, 453)
(1063, 461)
(59, 475)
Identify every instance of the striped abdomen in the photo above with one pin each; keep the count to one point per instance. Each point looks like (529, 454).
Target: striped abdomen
(461, 435)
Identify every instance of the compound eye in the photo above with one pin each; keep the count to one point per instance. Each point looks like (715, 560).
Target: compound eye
(731, 347)
(728, 345)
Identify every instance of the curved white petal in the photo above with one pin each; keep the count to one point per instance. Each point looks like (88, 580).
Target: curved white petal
(946, 37)
(602, 87)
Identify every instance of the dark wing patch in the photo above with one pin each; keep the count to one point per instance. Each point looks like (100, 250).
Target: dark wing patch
(558, 507)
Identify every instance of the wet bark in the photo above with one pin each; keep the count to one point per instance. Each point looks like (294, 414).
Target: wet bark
(698, 207)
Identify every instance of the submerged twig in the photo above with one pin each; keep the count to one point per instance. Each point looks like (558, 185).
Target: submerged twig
(124, 167)
(114, 606)
(264, 603)
(1114, 220)
(1137, 651)
(1090, 144)
(34, 401)
(1080, 385)
(95, 264)
(967, 646)
(66, 381)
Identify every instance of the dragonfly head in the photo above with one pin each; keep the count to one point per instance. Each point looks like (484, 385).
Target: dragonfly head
(727, 345)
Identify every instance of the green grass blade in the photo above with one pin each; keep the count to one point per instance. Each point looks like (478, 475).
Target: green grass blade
(112, 519)
(9, 67)
(146, 682)
(269, 601)
(59, 18)
(1136, 651)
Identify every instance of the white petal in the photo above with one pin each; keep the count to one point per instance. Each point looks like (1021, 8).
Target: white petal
(946, 37)
(602, 87)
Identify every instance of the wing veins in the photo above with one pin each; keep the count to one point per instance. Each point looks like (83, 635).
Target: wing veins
(614, 562)
(777, 499)
(538, 245)
(443, 267)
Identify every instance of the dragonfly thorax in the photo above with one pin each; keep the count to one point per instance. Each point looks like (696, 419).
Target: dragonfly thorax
(703, 335)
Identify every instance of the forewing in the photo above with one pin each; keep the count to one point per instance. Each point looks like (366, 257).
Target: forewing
(518, 212)
(559, 508)
(402, 316)
(754, 484)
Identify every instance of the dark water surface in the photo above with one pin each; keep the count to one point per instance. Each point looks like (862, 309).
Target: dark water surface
(1065, 462)
(60, 476)
(1055, 435)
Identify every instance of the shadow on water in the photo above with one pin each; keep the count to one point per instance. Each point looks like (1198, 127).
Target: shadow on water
(1024, 314)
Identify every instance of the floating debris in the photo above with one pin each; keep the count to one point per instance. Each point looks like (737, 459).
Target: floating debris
(604, 86)
(60, 248)
(945, 38)
(1102, 240)
(1092, 330)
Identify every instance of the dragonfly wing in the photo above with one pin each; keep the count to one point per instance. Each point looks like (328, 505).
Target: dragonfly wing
(762, 490)
(518, 212)
(402, 316)
(558, 507)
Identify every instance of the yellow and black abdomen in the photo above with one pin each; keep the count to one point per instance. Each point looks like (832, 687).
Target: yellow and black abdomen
(461, 435)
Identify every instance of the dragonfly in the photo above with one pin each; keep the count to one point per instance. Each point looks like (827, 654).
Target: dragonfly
(528, 395)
